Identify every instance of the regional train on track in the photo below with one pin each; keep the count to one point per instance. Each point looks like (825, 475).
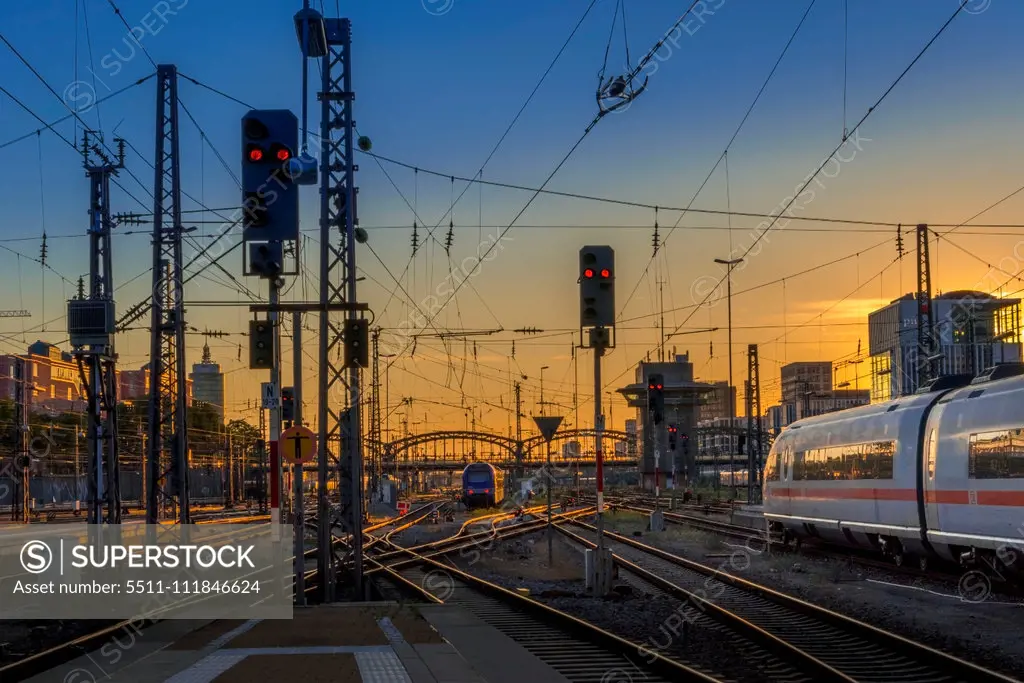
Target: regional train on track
(937, 474)
(483, 485)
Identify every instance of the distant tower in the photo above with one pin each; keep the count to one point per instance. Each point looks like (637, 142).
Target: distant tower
(208, 382)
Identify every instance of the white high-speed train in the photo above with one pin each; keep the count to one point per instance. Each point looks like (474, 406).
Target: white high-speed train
(936, 474)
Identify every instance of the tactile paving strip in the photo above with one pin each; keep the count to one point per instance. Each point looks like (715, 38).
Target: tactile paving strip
(222, 640)
(377, 663)
(207, 668)
(381, 667)
(390, 630)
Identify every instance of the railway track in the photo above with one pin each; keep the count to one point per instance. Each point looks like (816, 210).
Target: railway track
(940, 572)
(816, 642)
(579, 651)
(781, 637)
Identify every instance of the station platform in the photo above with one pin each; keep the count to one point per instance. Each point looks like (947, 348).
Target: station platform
(348, 643)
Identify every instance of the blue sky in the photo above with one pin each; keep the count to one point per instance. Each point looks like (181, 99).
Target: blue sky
(437, 90)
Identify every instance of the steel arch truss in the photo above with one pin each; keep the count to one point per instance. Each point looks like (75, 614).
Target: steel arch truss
(531, 448)
(535, 441)
(393, 448)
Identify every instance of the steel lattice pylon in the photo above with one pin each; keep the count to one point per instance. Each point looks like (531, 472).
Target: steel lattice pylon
(167, 465)
(96, 363)
(338, 286)
(755, 436)
(375, 418)
(927, 367)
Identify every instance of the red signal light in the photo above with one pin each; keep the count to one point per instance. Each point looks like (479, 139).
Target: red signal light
(255, 154)
(283, 155)
(605, 272)
(588, 273)
(660, 387)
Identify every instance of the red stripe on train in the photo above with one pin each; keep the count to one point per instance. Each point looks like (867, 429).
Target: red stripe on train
(998, 498)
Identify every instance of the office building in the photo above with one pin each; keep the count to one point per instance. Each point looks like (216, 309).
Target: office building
(208, 382)
(972, 331)
(803, 378)
(719, 402)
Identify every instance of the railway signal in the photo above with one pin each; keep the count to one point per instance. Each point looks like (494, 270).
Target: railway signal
(288, 404)
(261, 344)
(597, 286)
(673, 432)
(270, 193)
(656, 397)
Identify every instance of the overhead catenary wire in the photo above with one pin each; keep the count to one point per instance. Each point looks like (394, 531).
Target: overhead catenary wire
(631, 203)
(853, 228)
(728, 145)
(504, 135)
(92, 60)
(558, 167)
(812, 176)
(50, 126)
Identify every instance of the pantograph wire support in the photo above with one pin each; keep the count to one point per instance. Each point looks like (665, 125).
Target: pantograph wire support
(616, 92)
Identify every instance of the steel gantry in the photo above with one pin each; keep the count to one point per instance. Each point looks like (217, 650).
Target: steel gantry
(166, 462)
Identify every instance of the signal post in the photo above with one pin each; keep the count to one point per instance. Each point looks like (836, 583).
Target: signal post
(597, 317)
(656, 408)
(272, 172)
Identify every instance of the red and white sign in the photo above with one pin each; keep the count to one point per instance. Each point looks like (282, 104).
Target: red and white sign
(403, 507)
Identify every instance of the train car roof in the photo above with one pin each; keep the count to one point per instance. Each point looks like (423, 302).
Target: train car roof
(995, 386)
(853, 425)
(904, 402)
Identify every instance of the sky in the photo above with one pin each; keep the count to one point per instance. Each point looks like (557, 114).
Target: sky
(437, 84)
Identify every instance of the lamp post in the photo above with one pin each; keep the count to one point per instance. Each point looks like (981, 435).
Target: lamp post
(730, 264)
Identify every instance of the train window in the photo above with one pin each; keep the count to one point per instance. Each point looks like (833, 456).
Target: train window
(798, 466)
(772, 465)
(933, 446)
(853, 461)
(996, 455)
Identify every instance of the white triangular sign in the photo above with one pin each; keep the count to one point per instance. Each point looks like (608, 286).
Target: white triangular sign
(547, 425)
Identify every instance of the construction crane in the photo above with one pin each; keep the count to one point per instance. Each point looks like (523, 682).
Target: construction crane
(16, 314)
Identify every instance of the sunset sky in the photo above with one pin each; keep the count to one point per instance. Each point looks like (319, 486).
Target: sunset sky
(437, 84)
